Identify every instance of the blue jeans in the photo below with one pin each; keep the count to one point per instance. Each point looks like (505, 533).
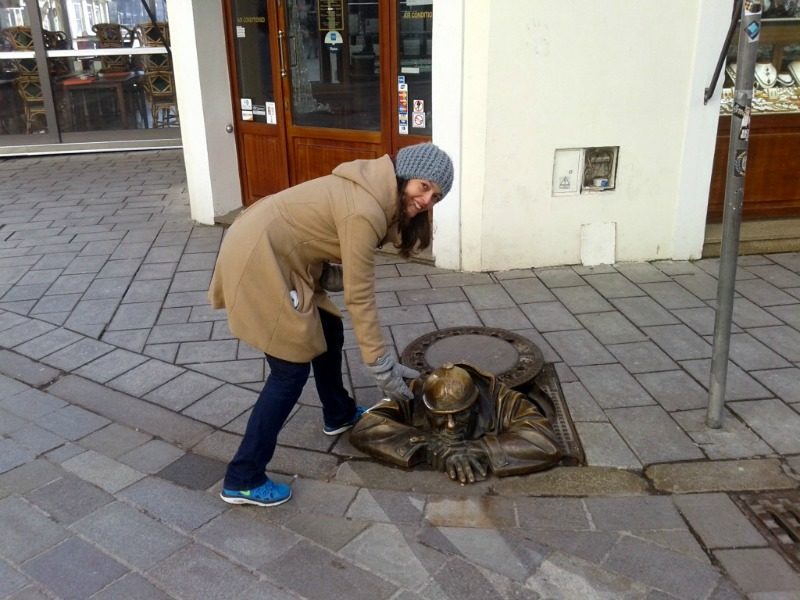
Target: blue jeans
(281, 391)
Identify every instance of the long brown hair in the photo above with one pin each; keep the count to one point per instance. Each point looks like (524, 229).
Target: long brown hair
(415, 233)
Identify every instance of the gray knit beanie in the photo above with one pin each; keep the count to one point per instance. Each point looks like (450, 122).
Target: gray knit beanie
(425, 161)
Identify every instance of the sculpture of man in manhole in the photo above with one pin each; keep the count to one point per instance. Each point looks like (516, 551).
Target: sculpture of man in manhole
(462, 421)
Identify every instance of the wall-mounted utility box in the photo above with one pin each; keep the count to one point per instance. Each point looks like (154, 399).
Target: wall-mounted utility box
(599, 168)
(578, 170)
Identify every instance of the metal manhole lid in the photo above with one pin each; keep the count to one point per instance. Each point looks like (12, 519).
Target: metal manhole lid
(777, 516)
(513, 359)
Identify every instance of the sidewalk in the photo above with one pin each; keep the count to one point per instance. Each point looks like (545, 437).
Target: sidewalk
(122, 396)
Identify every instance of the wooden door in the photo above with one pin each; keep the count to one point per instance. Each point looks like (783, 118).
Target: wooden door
(320, 82)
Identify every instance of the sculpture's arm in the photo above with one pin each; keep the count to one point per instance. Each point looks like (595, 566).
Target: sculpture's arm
(380, 433)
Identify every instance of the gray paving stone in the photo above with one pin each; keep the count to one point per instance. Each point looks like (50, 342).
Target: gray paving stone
(641, 272)
(130, 535)
(504, 318)
(77, 354)
(604, 447)
(782, 382)
(740, 386)
(130, 339)
(751, 354)
(111, 365)
(206, 313)
(679, 342)
(68, 499)
(613, 285)
(701, 320)
(634, 513)
(155, 271)
(9, 320)
(48, 343)
(177, 299)
(488, 296)
(72, 284)
(581, 405)
(674, 573)
(111, 287)
(120, 268)
(640, 357)
(22, 291)
(555, 277)
(135, 316)
(718, 522)
(26, 530)
(85, 264)
(531, 290)
(36, 439)
(763, 293)
(187, 332)
(173, 504)
(537, 514)
(170, 316)
(194, 471)
(222, 405)
(151, 457)
(31, 404)
(387, 506)
(611, 327)
(72, 422)
(147, 291)
(550, 316)
(238, 371)
(578, 348)
(430, 296)
(776, 423)
(653, 435)
(23, 332)
(114, 440)
(702, 285)
(130, 411)
(302, 430)
(732, 440)
(102, 471)
(92, 312)
(13, 454)
(582, 299)
(198, 352)
(782, 339)
(56, 303)
(251, 540)
(591, 546)
(10, 580)
(197, 261)
(674, 390)
(643, 311)
(190, 281)
(758, 570)
(145, 378)
(63, 569)
(334, 577)
(185, 389)
(611, 386)
(131, 587)
(454, 314)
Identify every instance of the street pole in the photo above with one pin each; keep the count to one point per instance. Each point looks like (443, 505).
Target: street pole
(749, 28)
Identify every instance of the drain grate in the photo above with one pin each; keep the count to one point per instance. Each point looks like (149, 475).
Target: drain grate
(777, 516)
(555, 408)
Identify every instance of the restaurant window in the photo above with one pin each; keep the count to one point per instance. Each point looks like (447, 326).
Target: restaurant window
(108, 72)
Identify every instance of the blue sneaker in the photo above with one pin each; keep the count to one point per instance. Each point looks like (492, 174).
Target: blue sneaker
(330, 430)
(267, 494)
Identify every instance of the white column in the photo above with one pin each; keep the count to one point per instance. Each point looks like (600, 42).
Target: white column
(204, 104)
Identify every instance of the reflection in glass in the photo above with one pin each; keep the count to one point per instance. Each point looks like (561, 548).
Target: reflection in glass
(334, 64)
(415, 37)
(253, 64)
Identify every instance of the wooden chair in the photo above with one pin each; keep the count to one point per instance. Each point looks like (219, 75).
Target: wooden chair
(154, 35)
(114, 35)
(160, 89)
(20, 38)
(30, 90)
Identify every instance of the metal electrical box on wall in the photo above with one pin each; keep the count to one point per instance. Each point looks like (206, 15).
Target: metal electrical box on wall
(578, 170)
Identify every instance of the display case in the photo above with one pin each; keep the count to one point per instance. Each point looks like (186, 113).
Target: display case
(772, 184)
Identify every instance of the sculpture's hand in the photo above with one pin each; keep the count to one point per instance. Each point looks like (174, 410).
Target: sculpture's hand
(463, 464)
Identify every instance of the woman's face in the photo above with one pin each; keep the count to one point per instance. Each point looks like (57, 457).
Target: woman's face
(419, 196)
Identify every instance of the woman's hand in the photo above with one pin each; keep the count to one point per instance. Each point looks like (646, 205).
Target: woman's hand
(389, 376)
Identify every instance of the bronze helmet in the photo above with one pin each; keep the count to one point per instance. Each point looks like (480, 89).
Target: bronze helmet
(449, 389)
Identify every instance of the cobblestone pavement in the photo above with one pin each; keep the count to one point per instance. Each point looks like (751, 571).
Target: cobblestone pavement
(122, 395)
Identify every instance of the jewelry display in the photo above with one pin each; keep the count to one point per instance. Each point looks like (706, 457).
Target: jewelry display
(794, 70)
(765, 75)
(785, 79)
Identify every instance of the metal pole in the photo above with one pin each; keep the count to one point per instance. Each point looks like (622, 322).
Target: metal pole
(749, 28)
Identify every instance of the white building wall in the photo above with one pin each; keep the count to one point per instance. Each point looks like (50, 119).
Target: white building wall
(538, 77)
(204, 104)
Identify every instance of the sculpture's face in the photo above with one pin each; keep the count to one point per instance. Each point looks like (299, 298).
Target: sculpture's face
(457, 426)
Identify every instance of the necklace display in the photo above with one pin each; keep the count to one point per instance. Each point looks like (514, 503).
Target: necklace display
(766, 75)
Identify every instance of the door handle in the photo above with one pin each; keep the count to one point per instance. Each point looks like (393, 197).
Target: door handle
(229, 128)
(280, 53)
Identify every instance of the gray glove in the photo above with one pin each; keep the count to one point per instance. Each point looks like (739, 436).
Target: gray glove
(389, 376)
(331, 278)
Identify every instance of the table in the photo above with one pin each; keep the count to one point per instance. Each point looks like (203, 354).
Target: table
(84, 95)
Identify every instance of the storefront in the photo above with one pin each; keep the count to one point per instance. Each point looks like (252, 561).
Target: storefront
(109, 80)
(772, 186)
(317, 83)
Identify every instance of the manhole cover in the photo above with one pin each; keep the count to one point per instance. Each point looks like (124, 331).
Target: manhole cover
(777, 516)
(512, 358)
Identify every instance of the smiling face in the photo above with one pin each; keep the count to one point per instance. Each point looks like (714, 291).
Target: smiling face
(419, 196)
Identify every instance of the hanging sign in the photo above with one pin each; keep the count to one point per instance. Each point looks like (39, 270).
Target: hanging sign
(418, 115)
(333, 39)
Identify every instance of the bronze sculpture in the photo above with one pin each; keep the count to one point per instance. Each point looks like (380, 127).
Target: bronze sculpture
(461, 421)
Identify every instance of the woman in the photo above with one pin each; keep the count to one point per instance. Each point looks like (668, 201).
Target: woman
(271, 275)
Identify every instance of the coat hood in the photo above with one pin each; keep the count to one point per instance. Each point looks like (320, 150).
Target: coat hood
(377, 177)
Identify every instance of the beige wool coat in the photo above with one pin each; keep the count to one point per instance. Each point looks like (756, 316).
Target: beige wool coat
(279, 244)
